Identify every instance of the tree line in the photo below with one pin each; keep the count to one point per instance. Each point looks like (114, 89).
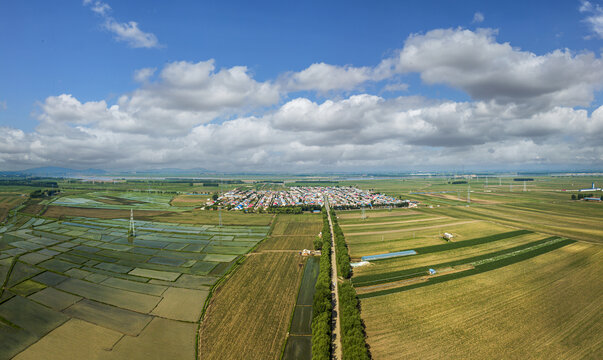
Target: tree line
(353, 337)
(322, 302)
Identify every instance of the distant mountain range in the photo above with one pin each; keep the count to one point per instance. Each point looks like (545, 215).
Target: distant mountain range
(54, 171)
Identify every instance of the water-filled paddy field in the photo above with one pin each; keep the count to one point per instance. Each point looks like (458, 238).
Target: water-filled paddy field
(65, 280)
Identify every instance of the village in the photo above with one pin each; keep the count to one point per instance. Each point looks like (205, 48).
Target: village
(312, 196)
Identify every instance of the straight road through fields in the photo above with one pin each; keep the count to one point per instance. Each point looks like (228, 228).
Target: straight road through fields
(334, 292)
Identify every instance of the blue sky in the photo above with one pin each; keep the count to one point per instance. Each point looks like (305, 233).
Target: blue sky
(67, 48)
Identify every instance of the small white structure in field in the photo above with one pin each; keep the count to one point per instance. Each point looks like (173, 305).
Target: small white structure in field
(448, 236)
(432, 272)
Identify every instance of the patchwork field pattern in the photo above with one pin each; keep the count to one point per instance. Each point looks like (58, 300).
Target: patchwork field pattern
(138, 200)
(513, 256)
(547, 307)
(66, 281)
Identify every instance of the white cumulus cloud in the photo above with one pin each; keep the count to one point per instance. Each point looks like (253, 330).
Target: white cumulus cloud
(488, 70)
(595, 17)
(524, 109)
(127, 32)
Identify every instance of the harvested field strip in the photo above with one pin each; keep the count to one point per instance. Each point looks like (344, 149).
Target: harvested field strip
(286, 242)
(467, 243)
(375, 244)
(487, 266)
(347, 216)
(571, 209)
(417, 216)
(366, 280)
(412, 228)
(583, 228)
(545, 217)
(296, 228)
(546, 307)
(395, 227)
(348, 226)
(255, 295)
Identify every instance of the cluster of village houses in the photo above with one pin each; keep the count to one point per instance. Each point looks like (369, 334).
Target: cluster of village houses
(250, 199)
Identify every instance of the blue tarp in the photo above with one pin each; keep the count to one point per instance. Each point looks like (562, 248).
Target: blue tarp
(388, 255)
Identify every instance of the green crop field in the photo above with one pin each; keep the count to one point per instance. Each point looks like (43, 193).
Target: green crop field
(515, 255)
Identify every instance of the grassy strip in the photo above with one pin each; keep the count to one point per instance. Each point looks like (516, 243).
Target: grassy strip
(321, 304)
(493, 265)
(366, 280)
(353, 344)
(343, 257)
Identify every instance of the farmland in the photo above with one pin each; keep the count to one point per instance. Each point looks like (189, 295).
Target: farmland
(67, 280)
(261, 294)
(484, 316)
(514, 255)
(292, 232)
(252, 297)
(9, 201)
(192, 280)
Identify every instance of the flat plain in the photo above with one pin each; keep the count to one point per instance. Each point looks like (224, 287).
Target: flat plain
(68, 281)
(515, 255)
(261, 294)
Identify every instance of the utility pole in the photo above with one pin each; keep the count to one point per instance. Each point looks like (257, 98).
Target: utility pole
(131, 229)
